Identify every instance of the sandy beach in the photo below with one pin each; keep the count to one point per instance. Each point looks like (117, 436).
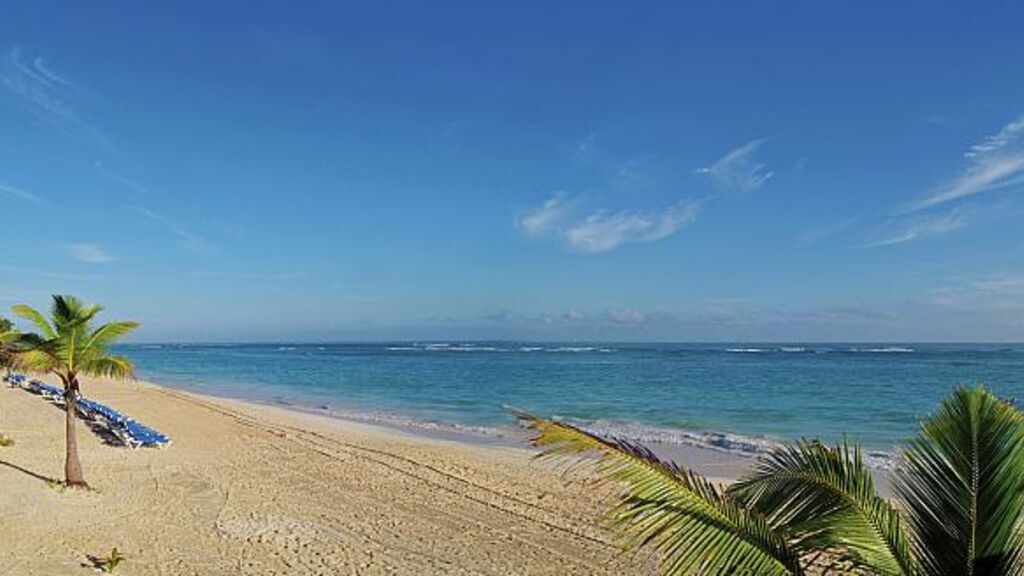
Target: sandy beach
(252, 489)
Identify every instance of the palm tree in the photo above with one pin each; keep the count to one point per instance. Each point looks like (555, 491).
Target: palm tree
(8, 336)
(68, 346)
(959, 507)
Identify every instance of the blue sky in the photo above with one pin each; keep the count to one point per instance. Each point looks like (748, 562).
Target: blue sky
(537, 170)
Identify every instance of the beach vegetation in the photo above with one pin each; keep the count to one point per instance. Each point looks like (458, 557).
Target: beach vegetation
(8, 339)
(111, 561)
(69, 345)
(958, 505)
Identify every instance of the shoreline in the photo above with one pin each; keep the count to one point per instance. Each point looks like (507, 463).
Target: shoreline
(690, 394)
(711, 453)
(255, 489)
(692, 447)
(720, 464)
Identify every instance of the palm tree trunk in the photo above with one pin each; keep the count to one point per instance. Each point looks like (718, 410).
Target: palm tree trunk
(72, 467)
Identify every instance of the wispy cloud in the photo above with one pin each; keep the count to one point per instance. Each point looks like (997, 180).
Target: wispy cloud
(584, 149)
(120, 178)
(626, 315)
(996, 162)
(544, 219)
(88, 253)
(186, 238)
(739, 170)
(603, 231)
(1001, 292)
(7, 190)
(47, 95)
(921, 227)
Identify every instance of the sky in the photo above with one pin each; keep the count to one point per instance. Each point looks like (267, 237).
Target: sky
(577, 170)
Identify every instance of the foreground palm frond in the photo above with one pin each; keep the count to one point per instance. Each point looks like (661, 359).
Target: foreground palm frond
(962, 483)
(694, 525)
(824, 498)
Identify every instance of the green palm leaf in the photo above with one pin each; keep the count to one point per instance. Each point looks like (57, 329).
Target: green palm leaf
(35, 317)
(67, 311)
(36, 361)
(117, 367)
(107, 334)
(696, 527)
(825, 499)
(962, 482)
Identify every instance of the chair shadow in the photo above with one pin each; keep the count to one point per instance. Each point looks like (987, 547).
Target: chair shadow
(35, 475)
(98, 428)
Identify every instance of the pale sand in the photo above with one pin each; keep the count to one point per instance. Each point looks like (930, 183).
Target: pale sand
(250, 489)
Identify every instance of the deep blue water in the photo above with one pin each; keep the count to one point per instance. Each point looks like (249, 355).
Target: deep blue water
(874, 393)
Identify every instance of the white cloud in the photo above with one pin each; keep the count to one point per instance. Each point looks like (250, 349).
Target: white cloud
(1004, 292)
(186, 238)
(739, 170)
(48, 73)
(922, 227)
(604, 231)
(996, 162)
(47, 95)
(119, 178)
(19, 193)
(544, 219)
(626, 315)
(88, 253)
(585, 149)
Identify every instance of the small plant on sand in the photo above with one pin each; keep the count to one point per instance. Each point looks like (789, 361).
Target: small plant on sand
(56, 485)
(959, 506)
(68, 346)
(111, 561)
(6, 441)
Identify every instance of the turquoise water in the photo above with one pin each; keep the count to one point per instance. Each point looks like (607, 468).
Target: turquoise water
(671, 392)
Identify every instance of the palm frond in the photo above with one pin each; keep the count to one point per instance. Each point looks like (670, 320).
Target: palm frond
(962, 486)
(36, 360)
(35, 317)
(67, 311)
(107, 334)
(824, 497)
(695, 527)
(70, 343)
(117, 367)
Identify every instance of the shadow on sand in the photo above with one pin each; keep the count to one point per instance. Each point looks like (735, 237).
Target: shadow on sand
(98, 428)
(35, 475)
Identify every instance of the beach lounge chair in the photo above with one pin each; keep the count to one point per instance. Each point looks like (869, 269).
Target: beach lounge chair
(130, 432)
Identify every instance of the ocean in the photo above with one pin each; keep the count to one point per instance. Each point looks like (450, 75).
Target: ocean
(738, 397)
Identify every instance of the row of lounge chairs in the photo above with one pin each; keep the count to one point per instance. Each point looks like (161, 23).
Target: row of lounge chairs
(130, 432)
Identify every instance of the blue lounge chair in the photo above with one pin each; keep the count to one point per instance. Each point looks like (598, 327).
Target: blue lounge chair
(130, 432)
